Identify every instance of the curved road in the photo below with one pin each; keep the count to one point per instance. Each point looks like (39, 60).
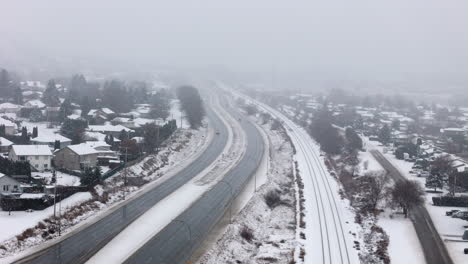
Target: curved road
(79, 247)
(177, 241)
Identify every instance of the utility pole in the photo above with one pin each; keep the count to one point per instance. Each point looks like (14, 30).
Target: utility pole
(54, 177)
(125, 172)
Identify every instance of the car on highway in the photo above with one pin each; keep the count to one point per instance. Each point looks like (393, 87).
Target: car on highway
(217, 132)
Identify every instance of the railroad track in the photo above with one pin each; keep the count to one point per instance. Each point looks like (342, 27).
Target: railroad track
(334, 247)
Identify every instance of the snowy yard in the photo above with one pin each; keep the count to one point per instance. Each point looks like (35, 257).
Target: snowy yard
(450, 229)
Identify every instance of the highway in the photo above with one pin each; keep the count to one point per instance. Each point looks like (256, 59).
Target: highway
(433, 247)
(177, 241)
(80, 246)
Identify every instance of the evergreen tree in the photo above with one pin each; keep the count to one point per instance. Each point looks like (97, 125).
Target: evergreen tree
(57, 144)
(35, 132)
(192, 105)
(160, 106)
(51, 94)
(385, 134)
(65, 110)
(18, 97)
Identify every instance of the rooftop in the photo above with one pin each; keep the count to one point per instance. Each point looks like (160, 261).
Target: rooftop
(82, 149)
(32, 150)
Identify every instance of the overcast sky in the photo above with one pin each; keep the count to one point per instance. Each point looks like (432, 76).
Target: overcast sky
(365, 36)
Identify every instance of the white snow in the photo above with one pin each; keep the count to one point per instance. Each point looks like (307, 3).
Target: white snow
(18, 221)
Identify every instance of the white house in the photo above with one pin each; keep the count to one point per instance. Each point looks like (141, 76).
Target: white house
(50, 139)
(5, 144)
(9, 185)
(76, 157)
(10, 127)
(39, 156)
(10, 108)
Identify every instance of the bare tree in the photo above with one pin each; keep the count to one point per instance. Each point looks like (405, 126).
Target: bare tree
(375, 187)
(407, 194)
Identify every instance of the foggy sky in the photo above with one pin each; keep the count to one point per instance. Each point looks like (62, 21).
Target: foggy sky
(366, 37)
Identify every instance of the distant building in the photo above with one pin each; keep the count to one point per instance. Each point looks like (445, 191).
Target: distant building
(108, 129)
(5, 145)
(39, 156)
(35, 104)
(10, 127)
(9, 185)
(76, 157)
(49, 140)
(10, 108)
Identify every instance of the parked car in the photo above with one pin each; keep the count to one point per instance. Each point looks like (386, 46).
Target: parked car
(451, 212)
(462, 215)
(424, 174)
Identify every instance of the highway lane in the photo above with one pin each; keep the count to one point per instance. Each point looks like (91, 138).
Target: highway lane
(177, 241)
(434, 248)
(80, 246)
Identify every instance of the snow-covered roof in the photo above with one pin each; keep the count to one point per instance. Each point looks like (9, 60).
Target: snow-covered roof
(32, 195)
(7, 123)
(50, 138)
(74, 116)
(92, 112)
(82, 149)
(108, 128)
(9, 106)
(453, 129)
(97, 136)
(35, 103)
(32, 150)
(96, 144)
(5, 142)
(107, 111)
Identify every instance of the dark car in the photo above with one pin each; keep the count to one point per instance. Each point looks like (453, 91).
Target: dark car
(451, 212)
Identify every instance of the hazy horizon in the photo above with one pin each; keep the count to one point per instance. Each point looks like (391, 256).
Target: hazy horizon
(420, 41)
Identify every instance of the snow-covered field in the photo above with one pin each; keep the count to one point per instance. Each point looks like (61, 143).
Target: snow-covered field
(450, 229)
(18, 221)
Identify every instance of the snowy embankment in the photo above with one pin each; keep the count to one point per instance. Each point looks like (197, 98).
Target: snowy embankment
(273, 226)
(450, 229)
(152, 222)
(329, 232)
(185, 145)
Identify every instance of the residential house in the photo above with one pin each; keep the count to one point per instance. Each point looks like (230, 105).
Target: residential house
(38, 156)
(100, 116)
(76, 157)
(109, 129)
(49, 140)
(10, 108)
(10, 127)
(9, 185)
(105, 154)
(5, 145)
(38, 104)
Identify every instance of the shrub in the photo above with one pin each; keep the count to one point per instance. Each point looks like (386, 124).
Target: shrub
(272, 198)
(246, 233)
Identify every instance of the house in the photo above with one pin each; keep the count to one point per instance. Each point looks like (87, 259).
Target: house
(34, 104)
(10, 108)
(109, 129)
(9, 185)
(453, 132)
(5, 145)
(38, 156)
(10, 127)
(105, 154)
(99, 116)
(76, 157)
(49, 140)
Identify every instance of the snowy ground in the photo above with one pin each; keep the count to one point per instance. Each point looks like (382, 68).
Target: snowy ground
(273, 229)
(18, 221)
(62, 178)
(450, 229)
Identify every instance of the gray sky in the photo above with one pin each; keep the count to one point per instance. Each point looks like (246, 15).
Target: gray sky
(366, 37)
